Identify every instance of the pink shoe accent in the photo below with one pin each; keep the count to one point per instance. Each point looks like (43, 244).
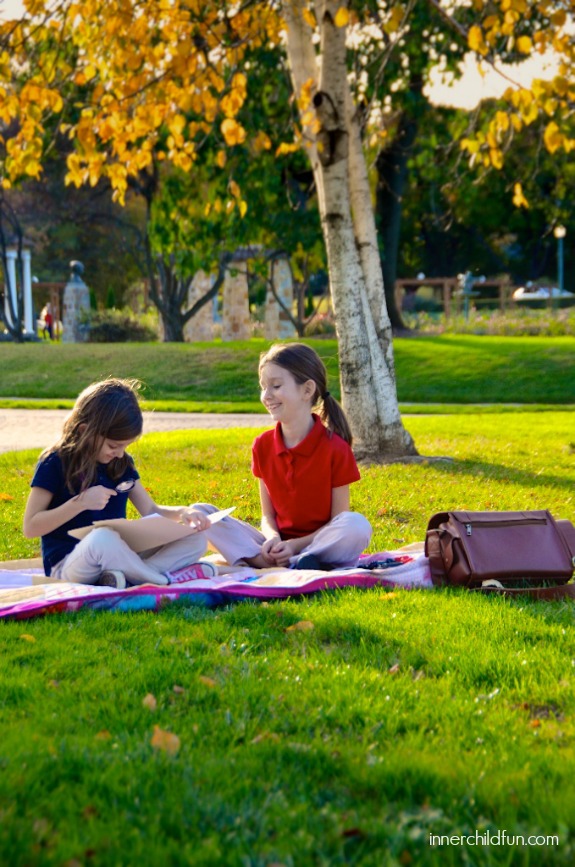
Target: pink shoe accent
(193, 572)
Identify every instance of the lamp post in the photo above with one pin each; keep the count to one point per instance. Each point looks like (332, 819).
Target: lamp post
(559, 232)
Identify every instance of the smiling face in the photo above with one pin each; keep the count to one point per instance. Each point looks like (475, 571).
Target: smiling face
(110, 449)
(284, 398)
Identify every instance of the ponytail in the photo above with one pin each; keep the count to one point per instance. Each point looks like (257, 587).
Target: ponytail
(334, 418)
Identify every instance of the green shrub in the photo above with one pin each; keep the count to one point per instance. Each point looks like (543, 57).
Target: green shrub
(118, 326)
(516, 322)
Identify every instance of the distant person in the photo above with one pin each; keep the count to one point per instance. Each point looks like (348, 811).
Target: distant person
(88, 476)
(48, 319)
(305, 466)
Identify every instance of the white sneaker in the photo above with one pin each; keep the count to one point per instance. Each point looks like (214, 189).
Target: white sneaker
(112, 578)
(192, 572)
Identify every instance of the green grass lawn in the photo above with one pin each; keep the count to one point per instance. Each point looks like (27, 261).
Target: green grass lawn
(398, 715)
(222, 377)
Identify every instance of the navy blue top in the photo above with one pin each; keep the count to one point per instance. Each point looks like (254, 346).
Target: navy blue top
(49, 475)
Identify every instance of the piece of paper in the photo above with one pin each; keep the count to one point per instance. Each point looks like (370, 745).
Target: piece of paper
(148, 532)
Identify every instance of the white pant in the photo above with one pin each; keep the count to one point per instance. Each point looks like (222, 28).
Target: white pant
(338, 543)
(104, 549)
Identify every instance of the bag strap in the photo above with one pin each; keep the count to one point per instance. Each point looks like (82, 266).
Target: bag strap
(433, 552)
(567, 530)
(549, 594)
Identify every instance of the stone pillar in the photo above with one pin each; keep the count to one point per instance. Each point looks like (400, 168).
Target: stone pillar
(29, 319)
(76, 300)
(236, 323)
(11, 289)
(201, 326)
(277, 323)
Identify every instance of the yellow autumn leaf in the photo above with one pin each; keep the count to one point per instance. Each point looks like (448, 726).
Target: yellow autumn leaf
(519, 199)
(103, 735)
(341, 17)
(207, 681)
(6, 497)
(234, 189)
(221, 159)
(262, 141)
(394, 21)
(165, 741)
(286, 148)
(301, 626)
(475, 40)
(524, 45)
(232, 131)
(243, 206)
(470, 145)
(552, 137)
(26, 637)
(150, 701)
(496, 157)
(309, 18)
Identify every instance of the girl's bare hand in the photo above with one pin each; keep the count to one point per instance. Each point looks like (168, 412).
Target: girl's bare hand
(195, 519)
(95, 498)
(281, 552)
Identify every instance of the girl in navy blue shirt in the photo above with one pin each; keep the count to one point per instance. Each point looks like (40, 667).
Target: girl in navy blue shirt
(87, 476)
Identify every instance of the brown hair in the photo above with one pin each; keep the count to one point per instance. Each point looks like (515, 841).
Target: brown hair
(105, 410)
(304, 363)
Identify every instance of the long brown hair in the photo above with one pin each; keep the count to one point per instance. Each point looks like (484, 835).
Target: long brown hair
(304, 363)
(105, 410)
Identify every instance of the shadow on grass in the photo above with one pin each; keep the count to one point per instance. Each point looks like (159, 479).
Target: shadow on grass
(503, 472)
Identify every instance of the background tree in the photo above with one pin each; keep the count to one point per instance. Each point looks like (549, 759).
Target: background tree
(164, 75)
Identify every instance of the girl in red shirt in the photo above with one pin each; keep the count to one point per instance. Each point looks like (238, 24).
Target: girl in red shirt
(305, 466)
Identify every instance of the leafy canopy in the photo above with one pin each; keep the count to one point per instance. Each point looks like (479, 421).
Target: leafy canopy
(155, 77)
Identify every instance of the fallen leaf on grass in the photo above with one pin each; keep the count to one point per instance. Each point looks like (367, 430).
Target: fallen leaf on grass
(265, 736)
(150, 701)
(207, 681)
(535, 723)
(386, 596)
(353, 832)
(301, 626)
(394, 669)
(165, 741)
(26, 637)
(179, 690)
(6, 497)
(104, 735)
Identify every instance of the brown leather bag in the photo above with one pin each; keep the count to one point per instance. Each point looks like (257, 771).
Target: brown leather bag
(527, 552)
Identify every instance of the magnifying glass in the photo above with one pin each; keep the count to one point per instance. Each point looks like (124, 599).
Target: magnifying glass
(124, 487)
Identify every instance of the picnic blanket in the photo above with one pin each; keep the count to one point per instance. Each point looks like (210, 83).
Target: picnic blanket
(23, 593)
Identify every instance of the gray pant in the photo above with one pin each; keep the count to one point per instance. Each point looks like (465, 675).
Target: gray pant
(338, 543)
(104, 549)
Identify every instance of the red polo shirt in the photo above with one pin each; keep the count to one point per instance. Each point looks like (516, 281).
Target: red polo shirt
(300, 480)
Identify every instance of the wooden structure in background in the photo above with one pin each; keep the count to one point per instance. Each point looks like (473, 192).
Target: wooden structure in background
(446, 292)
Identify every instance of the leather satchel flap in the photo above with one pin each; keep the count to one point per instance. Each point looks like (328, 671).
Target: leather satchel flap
(541, 515)
(502, 545)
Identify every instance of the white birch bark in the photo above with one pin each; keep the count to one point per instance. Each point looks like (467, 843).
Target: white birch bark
(369, 395)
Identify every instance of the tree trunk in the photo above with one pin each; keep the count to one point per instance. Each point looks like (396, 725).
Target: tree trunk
(367, 371)
(392, 172)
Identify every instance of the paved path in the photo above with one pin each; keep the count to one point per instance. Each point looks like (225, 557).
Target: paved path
(38, 428)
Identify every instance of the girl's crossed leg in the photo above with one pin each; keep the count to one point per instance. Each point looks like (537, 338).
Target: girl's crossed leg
(338, 543)
(103, 550)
